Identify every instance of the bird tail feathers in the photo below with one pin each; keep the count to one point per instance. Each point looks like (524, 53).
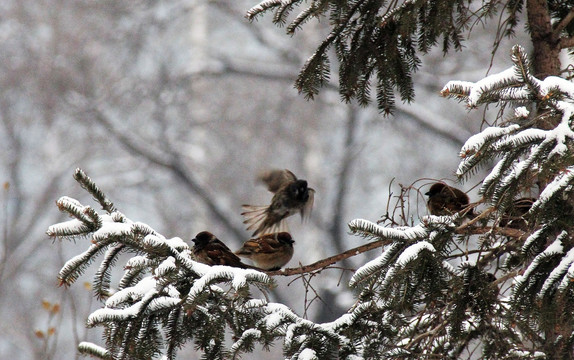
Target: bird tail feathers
(256, 218)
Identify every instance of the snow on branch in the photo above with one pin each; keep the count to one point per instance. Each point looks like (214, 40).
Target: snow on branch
(526, 141)
(561, 185)
(531, 274)
(239, 279)
(368, 228)
(160, 282)
(87, 348)
(375, 265)
(477, 141)
(557, 275)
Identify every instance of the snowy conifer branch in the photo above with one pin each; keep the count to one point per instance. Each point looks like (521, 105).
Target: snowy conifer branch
(162, 281)
(526, 142)
(87, 348)
(87, 183)
(85, 214)
(370, 229)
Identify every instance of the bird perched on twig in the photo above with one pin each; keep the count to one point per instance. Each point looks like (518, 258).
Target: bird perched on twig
(208, 249)
(292, 196)
(513, 217)
(447, 200)
(270, 251)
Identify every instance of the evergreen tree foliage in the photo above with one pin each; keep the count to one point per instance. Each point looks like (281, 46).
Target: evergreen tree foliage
(378, 43)
(500, 286)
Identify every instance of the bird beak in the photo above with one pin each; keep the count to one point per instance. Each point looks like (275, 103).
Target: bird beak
(427, 193)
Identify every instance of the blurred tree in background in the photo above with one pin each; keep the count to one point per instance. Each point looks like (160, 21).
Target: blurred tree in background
(173, 107)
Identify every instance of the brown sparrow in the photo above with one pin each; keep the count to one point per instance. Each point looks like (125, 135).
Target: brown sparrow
(513, 217)
(270, 251)
(447, 200)
(291, 196)
(208, 249)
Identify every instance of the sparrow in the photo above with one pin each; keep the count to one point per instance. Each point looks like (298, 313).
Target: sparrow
(208, 249)
(292, 196)
(513, 217)
(268, 252)
(447, 200)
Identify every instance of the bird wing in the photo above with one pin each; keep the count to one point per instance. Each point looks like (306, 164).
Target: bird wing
(269, 243)
(275, 179)
(220, 254)
(249, 247)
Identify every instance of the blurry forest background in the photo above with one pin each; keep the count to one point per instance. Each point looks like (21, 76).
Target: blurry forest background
(172, 107)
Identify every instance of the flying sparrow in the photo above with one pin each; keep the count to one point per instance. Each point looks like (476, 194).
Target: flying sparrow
(447, 200)
(270, 251)
(291, 196)
(208, 249)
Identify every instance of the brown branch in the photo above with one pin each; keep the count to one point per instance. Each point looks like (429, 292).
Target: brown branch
(566, 43)
(431, 332)
(562, 24)
(321, 264)
(513, 233)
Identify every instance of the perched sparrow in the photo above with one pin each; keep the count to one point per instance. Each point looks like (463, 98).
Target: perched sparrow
(291, 196)
(270, 251)
(513, 217)
(208, 249)
(447, 200)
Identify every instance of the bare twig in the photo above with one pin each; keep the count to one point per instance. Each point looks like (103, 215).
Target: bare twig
(330, 260)
(322, 264)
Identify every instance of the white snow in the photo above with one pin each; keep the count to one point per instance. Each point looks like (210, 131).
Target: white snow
(521, 111)
(110, 229)
(74, 226)
(555, 82)
(557, 273)
(247, 333)
(137, 261)
(409, 233)
(163, 302)
(223, 273)
(568, 279)
(239, 281)
(475, 142)
(372, 265)
(553, 249)
(273, 320)
(308, 354)
(168, 265)
(412, 252)
(136, 292)
(558, 184)
(488, 82)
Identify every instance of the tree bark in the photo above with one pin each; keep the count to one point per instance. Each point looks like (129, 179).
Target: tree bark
(546, 44)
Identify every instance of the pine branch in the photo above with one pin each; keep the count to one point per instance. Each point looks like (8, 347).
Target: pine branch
(87, 183)
(465, 229)
(87, 348)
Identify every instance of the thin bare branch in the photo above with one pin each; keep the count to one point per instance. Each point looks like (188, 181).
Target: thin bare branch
(324, 263)
(321, 264)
